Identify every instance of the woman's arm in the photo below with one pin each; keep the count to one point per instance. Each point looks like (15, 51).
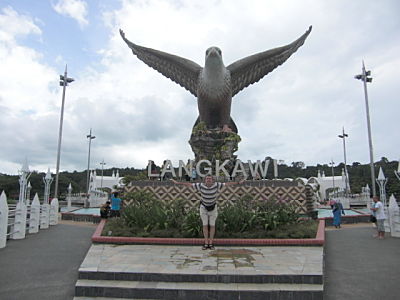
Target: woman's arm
(235, 182)
(181, 183)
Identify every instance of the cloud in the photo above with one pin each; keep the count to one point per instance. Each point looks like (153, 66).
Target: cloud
(295, 113)
(26, 94)
(75, 9)
(13, 24)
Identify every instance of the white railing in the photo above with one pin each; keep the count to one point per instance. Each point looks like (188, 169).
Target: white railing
(393, 217)
(97, 198)
(362, 199)
(20, 219)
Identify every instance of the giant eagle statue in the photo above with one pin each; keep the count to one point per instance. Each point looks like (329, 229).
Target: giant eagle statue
(215, 85)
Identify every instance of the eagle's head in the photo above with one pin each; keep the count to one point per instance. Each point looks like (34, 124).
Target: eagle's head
(213, 56)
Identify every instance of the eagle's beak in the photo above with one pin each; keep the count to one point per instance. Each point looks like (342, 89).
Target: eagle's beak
(213, 52)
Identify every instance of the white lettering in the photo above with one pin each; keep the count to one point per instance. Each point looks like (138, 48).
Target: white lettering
(264, 171)
(239, 168)
(187, 167)
(275, 168)
(258, 165)
(221, 168)
(149, 174)
(168, 168)
(208, 169)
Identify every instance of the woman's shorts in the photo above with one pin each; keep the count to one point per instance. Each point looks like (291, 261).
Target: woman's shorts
(208, 217)
(380, 225)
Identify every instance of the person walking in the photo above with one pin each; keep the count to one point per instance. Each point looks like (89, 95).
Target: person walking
(337, 210)
(208, 190)
(380, 216)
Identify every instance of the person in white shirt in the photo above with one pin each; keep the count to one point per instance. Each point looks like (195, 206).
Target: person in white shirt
(379, 213)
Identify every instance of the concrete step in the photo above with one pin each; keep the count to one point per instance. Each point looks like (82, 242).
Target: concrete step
(215, 278)
(103, 298)
(196, 290)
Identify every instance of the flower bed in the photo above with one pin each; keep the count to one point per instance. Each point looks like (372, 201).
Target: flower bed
(318, 240)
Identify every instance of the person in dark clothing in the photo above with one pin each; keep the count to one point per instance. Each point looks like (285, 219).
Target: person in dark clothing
(105, 210)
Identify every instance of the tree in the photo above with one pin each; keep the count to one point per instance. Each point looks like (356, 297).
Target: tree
(298, 164)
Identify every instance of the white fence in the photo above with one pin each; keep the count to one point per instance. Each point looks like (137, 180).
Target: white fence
(96, 199)
(362, 199)
(17, 220)
(393, 217)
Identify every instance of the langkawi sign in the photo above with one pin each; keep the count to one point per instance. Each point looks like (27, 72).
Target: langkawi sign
(255, 169)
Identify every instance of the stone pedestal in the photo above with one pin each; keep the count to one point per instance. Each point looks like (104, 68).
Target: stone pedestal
(214, 144)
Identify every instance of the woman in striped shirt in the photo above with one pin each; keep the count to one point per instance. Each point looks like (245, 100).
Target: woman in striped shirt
(208, 205)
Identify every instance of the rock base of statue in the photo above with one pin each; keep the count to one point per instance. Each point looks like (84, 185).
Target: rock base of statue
(214, 144)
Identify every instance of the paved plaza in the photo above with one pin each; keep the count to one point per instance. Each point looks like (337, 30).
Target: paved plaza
(45, 266)
(167, 259)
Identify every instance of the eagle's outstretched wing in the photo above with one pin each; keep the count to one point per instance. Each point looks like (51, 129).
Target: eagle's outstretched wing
(251, 69)
(180, 70)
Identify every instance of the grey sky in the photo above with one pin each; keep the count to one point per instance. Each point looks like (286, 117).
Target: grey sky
(294, 114)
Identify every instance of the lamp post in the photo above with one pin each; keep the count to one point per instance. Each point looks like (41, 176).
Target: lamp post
(24, 175)
(382, 180)
(69, 204)
(28, 193)
(102, 169)
(64, 80)
(47, 182)
(333, 176)
(90, 137)
(365, 77)
(344, 136)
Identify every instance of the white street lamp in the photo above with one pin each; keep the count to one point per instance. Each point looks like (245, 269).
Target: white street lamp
(90, 137)
(365, 77)
(47, 182)
(64, 80)
(24, 175)
(382, 181)
(28, 193)
(344, 136)
(333, 176)
(102, 169)
(69, 205)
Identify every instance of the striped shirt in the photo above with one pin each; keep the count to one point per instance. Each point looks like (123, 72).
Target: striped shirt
(208, 194)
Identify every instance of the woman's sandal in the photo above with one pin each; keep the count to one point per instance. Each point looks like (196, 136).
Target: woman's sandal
(211, 247)
(205, 247)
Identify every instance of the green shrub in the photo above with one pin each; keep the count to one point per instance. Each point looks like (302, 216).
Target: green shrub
(235, 217)
(191, 226)
(117, 227)
(176, 211)
(148, 217)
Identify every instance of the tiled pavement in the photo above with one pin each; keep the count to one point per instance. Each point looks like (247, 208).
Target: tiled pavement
(193, 260)
(187, 272)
